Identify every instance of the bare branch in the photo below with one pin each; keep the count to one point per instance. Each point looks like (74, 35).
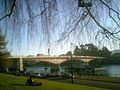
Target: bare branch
(118, 14)
(11, 11)
(113, 18)
(105, 31)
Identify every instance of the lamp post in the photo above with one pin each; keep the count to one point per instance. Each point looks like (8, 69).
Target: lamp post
(81, 3)
(71, 64)
(21, 64)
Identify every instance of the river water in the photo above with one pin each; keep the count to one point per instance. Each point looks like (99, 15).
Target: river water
(39, 69)
(112, 70)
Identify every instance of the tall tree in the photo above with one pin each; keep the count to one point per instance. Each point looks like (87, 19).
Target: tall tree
(77, 51)
(68, 53)
(91, 50)
(4, 54)
(105, 52)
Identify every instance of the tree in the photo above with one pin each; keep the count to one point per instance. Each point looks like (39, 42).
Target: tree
(68, 53)
(115, 58)
(3, 51)
(5, 62)
(76, 51)
(90, 15)
(105, 52)
(92, 50)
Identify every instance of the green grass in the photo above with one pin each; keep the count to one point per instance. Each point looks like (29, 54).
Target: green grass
(102, 78)
(11, 82)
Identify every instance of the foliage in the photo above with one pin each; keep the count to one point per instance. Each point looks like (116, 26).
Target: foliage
(91, 50)
(4, 54)
(115, 58)
(68, 53)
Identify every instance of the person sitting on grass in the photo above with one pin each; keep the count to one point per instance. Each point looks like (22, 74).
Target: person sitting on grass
(31, 82)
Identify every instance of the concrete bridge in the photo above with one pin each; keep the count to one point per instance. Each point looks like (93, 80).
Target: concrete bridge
(58, 59)
(55, 59)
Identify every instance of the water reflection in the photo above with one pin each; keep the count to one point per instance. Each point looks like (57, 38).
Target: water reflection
(39, 69)
(113, 70)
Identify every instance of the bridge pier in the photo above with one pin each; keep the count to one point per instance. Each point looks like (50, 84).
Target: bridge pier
(59, 69)
(21, 64)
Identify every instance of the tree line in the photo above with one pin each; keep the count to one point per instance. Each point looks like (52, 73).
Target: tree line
(92, 50)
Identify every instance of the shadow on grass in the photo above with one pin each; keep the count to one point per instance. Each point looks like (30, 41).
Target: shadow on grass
(18, 84)
(22, 85)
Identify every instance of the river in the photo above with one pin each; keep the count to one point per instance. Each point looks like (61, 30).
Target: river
(39, 69)
(113, 70)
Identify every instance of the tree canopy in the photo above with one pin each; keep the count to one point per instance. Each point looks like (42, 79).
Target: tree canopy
(4, 61)
(3, 50)
(91, 50)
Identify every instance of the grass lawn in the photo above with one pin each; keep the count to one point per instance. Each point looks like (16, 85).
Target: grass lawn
(102, 78)
(11, 82)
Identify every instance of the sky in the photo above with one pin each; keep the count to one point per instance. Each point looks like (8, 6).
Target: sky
(22, 43)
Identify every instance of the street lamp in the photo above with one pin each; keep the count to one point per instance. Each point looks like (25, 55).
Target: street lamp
(71, 64)
(81, 3)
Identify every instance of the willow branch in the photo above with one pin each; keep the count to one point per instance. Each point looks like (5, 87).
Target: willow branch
(11, 11)
(118, 14)
(106, 32)
(113, 18)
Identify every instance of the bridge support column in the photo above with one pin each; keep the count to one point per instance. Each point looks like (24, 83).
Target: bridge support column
(59, 69)
(21, 64)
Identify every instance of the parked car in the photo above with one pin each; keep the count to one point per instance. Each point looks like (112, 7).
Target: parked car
(36, 75)
(67, 75)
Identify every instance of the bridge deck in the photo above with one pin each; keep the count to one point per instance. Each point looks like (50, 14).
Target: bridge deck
(61, 57)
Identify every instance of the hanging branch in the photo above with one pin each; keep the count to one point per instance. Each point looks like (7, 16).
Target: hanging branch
(106, 32)
(118, 14)
(11, 11)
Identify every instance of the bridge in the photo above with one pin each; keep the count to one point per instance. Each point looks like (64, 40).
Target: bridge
(58, 59)
(55, 59)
